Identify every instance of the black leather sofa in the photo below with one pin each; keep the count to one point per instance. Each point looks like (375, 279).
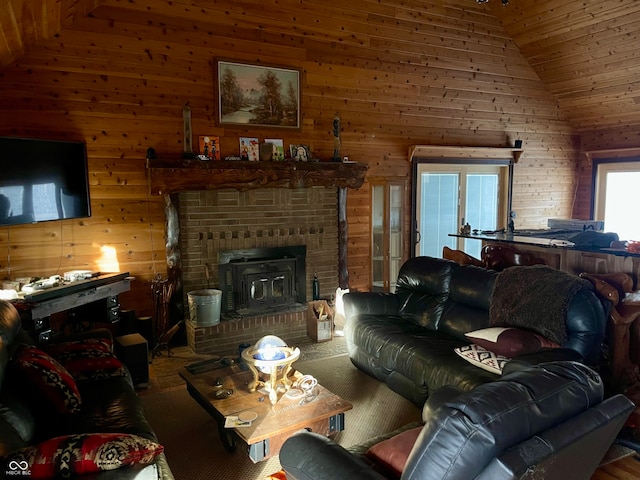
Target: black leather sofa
(109, 404)
(542, 421)
(407, 338)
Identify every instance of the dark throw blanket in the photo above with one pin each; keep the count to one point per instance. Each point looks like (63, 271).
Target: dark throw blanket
(535, 297)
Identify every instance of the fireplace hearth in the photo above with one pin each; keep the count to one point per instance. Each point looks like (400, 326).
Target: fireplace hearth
(262, 280)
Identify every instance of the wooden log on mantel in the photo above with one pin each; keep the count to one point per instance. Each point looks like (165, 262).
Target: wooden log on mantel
(166, 177)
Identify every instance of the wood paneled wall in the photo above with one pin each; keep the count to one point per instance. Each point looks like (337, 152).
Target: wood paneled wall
(398, 73)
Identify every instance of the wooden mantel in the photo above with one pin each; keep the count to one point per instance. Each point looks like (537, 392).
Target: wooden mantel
(167, 177)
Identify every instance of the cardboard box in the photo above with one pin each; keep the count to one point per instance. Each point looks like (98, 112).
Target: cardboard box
(320, 321)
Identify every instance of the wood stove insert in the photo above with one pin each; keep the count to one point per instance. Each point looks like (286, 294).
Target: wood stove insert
(262, 279)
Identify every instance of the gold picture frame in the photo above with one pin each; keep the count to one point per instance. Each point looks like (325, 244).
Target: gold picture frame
(257, 95)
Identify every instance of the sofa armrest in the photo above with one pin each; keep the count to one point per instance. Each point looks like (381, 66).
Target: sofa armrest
(370, 303)
(586, 325)
(310, 456)
(572, 449)
(542, 356)
(437, 398)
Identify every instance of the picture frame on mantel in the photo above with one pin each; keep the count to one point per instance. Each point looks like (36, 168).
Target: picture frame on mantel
(257, 95)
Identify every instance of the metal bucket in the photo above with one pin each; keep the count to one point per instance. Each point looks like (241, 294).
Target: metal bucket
(204, 306)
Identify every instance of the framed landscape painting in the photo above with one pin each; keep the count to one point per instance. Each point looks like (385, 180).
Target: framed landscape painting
(259, 95)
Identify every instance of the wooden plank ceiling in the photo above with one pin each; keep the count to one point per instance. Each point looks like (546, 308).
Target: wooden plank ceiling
(585, 52)
(25, 22)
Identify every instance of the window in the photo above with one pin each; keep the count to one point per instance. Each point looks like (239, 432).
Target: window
(614, 183)
(448, 196)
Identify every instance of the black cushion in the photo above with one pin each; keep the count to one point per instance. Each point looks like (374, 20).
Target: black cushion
(309, 456)
(422, 289)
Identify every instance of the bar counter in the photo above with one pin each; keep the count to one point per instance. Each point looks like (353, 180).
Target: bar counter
(558, 252)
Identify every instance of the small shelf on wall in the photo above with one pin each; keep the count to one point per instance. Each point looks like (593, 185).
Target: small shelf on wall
(446, 151)
(171, 176)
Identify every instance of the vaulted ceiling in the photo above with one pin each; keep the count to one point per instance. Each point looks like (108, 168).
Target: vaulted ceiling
(585, 52)
(25, 22)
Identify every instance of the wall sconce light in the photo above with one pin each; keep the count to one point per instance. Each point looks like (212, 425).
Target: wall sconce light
(271, 357)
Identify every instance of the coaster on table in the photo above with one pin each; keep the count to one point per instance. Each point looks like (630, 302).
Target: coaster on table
(248, 416)
(294, 392)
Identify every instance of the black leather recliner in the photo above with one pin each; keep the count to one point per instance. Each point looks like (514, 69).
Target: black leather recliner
(543, 421)
(407, 338)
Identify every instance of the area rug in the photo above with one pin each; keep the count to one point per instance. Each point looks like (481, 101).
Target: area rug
(194, 450)
(615, 453)
(190, 436)
(165, 368)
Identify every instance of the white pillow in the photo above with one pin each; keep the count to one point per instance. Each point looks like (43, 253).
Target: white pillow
(483, 358)
(491, 334)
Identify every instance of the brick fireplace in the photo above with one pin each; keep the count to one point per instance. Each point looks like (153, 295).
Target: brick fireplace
(216, 222)
(214, 207)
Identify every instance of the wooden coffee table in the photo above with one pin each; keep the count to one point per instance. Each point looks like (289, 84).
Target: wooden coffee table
(274, 423)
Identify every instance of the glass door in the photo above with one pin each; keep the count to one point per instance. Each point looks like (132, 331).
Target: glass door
(438, 212)
(378, 248)
(395, 261)
(386, 234)
(448, 196)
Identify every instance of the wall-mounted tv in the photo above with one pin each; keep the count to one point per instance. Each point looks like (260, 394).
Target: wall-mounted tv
(42, 180)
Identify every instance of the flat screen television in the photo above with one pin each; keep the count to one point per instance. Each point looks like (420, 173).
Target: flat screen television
(42, 180)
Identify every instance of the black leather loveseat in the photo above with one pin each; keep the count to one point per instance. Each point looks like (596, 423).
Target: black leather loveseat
(407, 338)
(546, 421)
(94, 413)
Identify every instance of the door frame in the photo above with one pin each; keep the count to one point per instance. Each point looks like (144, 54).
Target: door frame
(444, 155)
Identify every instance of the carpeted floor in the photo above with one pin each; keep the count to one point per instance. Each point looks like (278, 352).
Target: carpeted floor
(165, 369)
(191, 438)
(195, 452)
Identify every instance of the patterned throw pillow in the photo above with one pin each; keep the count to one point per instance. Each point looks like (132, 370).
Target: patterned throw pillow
(48, 378)
(92, 365)
(71, 455)
(483, 358)
(88, 360)
(97, 343)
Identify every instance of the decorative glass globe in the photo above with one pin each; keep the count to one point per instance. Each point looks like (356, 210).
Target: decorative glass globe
(269, 348)
(273, 358)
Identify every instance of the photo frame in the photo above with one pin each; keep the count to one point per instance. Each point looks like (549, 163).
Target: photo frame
(300, 153)
(249, 149)
(257, 95)
(209, 147)
(278, 148)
